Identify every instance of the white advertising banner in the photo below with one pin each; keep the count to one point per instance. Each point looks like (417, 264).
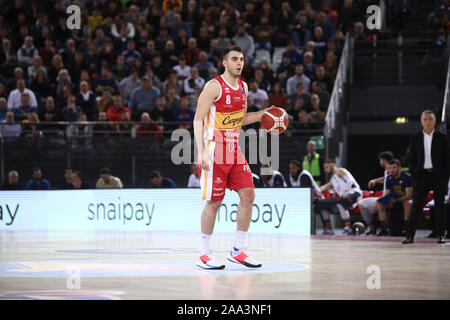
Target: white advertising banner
(275, 210)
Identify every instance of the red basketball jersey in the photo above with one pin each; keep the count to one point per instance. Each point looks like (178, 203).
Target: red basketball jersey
(224, 120)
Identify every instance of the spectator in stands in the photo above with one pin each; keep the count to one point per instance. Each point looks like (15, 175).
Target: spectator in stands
(86, 100)
(324, 81)
(105, 101)
(258, 96)
(319, 112)
(193, 81)
(285, 70)
(272, 178)
(261, 81)
(3, 93)
(330, 65)
(313, 163)
(178, 24)
(47, 52)
(108, 181)
(131, 53)
(42, 87)
(172, 82)
(320, 41)
(80, 134)
(183, 70)
(115, 111)
(302, 178)
(3, 109)
(103, 130)
(161, 113)
(49, 112)
(318, 56)
(62, 80)
(67, 182)
(309, 66)
(263, 34)
(56, 65)
(105, 80)
(158, 181)
(120, 69)
(245, 41)
(173, 99)
(223, 40)
(194, 180)
(148, 127)
(203, 65)
(13, 181)
(128, 84)
(396, 196)
(27, 52)
(5, 51)
(301, 33)
(183, 115)
(257, 181)
(325, 24)
(22, 112)
(36, 67)
(348, 15)
(71, 111)
(143, 98)
(7, 69)
(292, 82)
(192, 52)
(77, 181)
(285, 20)
(12, 130)
(324, 96)
(300, 104)
(292, 52)
(15, 97)
(159, 69)
(37, 182)
(277, 97)
(123, 129)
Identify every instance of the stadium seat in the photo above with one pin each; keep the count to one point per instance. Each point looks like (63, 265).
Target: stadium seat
(277, 57)
(262, 55)
(367, 194)
(379, 194)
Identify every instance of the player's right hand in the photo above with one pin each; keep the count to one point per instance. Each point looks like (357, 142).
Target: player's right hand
(371, 183)
(204, 159)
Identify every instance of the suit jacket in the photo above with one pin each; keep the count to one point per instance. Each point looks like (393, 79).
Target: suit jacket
(440, 157)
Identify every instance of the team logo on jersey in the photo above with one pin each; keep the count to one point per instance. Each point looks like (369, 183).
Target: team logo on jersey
(229, 120)
(242, 90)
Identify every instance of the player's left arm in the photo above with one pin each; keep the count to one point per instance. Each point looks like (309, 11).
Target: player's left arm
(251, 117)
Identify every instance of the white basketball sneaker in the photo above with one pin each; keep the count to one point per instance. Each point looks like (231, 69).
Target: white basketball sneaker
(206, 261)
(239, 256)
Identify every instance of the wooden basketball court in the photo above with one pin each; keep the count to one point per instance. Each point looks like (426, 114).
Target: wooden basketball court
(161, 265)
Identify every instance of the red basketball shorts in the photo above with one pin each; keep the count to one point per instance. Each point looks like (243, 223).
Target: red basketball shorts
(228, 168)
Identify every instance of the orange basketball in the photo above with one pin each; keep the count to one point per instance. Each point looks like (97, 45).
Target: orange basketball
(275, 120)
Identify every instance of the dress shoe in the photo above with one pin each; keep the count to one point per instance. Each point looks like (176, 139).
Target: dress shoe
(408, 240)
(441, 239)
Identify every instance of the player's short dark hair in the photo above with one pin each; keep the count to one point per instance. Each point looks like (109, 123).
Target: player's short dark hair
(395, 161)
(228, 50)
(105, 171)
(36, 169)
(329, 161)
(296, 163)
(155, 174)
(386, 155)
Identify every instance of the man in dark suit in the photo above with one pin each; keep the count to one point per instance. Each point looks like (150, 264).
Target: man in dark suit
(428, 159)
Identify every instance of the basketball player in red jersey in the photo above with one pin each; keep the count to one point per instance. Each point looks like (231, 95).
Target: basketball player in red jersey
(220, 114)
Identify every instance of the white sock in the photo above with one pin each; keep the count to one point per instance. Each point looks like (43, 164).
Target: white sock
(241, 240)
(206, 239)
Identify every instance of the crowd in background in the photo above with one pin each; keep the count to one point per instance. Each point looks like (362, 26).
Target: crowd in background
(147, 61)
